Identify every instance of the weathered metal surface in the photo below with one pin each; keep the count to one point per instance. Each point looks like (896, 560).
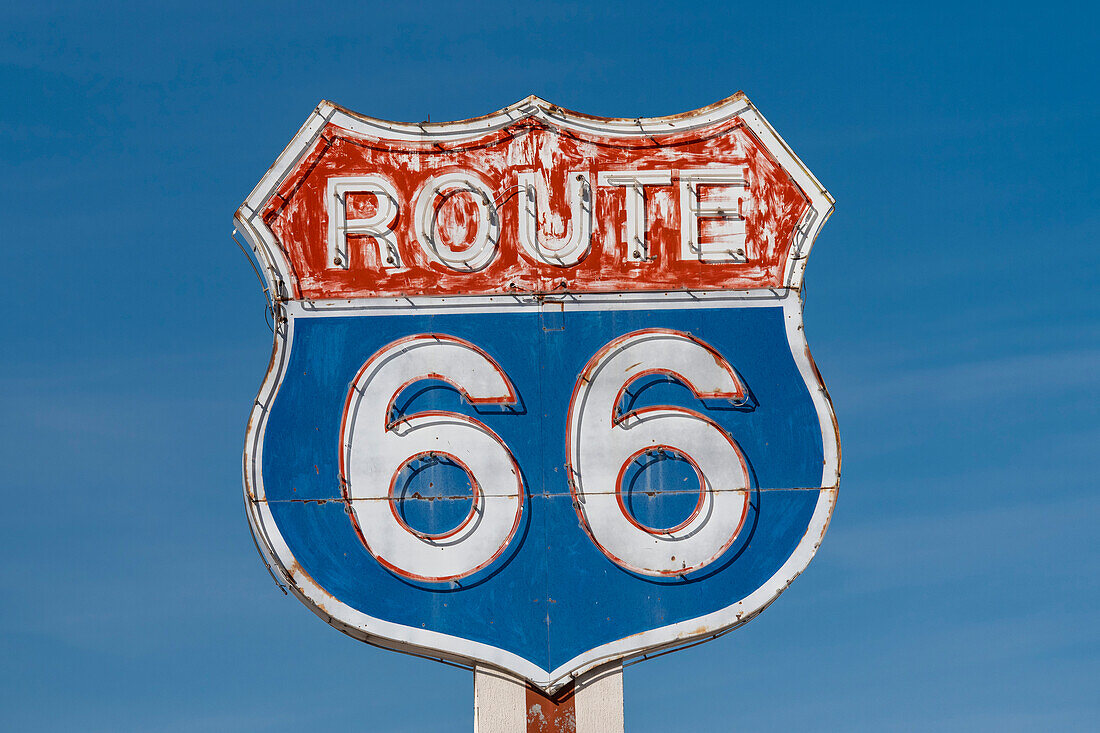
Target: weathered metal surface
(592, 703)
(540, 396)
(555, 713)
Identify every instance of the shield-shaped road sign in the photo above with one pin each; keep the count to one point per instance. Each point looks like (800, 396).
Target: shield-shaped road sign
(540, 396)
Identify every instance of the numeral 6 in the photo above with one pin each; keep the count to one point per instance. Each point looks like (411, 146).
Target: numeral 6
(602, 441)
(373, 439)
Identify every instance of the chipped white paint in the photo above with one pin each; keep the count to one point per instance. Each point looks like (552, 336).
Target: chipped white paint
(280, 275)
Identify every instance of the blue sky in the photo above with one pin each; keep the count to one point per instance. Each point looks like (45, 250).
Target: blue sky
(951, 306)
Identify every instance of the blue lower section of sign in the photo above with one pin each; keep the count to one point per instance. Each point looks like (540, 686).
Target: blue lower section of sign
(552, 594)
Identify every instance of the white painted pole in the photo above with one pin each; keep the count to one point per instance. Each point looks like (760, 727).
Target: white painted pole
(500, 702)
(591, 704)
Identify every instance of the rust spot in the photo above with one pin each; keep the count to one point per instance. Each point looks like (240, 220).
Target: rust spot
(554, 713)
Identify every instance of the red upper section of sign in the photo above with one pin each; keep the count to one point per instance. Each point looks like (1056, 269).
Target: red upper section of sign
(768, 213)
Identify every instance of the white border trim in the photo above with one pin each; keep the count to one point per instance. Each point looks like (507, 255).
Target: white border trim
(656, 300)
(431, 643)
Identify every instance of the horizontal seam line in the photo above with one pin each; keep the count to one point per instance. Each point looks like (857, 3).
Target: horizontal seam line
(343, 499)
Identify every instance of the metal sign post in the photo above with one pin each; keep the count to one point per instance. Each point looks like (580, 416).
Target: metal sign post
(540, 399)
(591, 704)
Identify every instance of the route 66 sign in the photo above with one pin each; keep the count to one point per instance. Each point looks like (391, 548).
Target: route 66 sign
(539, 396)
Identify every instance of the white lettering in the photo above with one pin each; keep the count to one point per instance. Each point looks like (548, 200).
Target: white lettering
(378, 445)
(637, 244)
(713, 208)
(482, 249)
(603, 441)
(378, 226)
(573, 247)
(717, 196)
